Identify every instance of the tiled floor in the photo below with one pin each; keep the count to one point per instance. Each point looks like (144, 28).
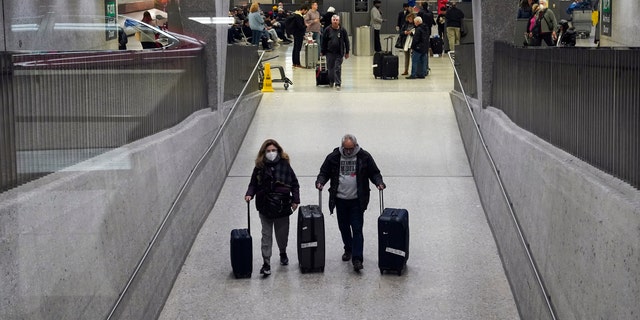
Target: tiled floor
(454, 271)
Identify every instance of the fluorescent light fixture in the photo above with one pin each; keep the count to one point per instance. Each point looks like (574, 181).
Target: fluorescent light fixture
(213, 20)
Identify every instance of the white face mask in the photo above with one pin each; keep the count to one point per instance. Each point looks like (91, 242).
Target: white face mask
(271, 155)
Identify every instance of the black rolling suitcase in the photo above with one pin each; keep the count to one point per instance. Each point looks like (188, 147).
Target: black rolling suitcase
(311, 249)
(385, 63)
(241, 250)
(437, 45)
(393, 238)
(322, 74)
(390, 67)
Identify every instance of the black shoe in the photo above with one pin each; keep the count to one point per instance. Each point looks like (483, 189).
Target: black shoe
(265, 270)
(346, 256)
(420, 77)
(284, 260)
(411, 77)
(357, 265)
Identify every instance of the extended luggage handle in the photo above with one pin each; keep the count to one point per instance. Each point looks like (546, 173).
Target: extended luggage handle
(249, 216)
(381, 201)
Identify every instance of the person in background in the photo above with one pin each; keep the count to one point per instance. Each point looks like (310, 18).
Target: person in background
(548, 24)
(275, 186)
(376, 23)
(402, 16)
(454, 17)
(335, 46)
(312, 21)
(122, 39)
(147, 32)
(407, 29)
(295, 26)
(256, 22)
(419, 50)
(326, 18)
(349, 168)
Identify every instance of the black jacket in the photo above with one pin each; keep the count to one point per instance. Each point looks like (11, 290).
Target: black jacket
(334, 41)
(366, 170)
(273, 177)
(420, 41)
(454, 17)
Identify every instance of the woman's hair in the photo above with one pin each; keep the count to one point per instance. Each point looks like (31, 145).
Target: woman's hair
(260, 158)
(410, 16)
(255, 7)
(146, 17)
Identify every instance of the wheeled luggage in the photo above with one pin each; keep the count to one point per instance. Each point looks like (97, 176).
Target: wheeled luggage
(322, 74)
(385, 63)
(310, 55)
(437, 45)
(311, 248)
(393, 238)
(241, 250)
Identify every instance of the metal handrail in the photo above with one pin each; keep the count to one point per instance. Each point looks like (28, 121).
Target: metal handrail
(184, 187)
(505, 195)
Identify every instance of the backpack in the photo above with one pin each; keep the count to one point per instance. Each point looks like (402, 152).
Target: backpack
(290, 24)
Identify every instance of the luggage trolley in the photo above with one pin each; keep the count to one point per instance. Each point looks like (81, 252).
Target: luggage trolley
(283, 78)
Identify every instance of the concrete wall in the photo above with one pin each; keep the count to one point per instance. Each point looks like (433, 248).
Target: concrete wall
(582, 225)
(70, 241)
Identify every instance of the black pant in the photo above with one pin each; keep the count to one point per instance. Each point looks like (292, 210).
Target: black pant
(297, 46)
(548, 39)
(377, 47)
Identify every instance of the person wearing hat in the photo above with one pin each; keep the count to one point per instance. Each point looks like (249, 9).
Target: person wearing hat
(326, 18)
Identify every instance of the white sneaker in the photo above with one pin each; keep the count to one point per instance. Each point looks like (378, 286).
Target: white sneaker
(269, 40)
(337, 87)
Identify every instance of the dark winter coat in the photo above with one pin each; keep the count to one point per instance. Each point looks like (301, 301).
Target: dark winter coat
(275, 177)
(366, 170)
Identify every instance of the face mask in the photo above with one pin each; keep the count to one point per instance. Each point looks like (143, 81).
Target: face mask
(271, 155)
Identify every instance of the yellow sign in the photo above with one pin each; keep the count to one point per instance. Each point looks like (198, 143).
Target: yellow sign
(267, 85)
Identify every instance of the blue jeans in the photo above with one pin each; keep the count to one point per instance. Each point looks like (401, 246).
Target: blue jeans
(419, 64)
(350, 223)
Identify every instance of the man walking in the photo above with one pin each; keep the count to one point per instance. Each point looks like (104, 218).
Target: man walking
(335, 45)
(350, 168)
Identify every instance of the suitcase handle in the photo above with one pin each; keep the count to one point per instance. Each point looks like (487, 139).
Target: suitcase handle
(249, 217)
(381, 202)
(320, 199)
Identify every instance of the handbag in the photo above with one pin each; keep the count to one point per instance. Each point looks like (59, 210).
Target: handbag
(276, 205)
(407, 43)
(400, 41)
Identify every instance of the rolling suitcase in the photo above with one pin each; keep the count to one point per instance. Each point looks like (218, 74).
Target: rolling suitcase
(389, 67)
(393, 238)
(322, 74)
(385, 63)
(310, 55)
(241, 250)
(437, 45)
(311, 249)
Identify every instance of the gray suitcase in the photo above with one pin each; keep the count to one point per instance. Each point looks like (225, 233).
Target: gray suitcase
(310, 55)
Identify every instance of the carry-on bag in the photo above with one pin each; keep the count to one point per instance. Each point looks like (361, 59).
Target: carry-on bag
(310, 55)
(393, 238)
(241, 250)
(311, 248)
(385, 63)
(322, 74)
(437, 45)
